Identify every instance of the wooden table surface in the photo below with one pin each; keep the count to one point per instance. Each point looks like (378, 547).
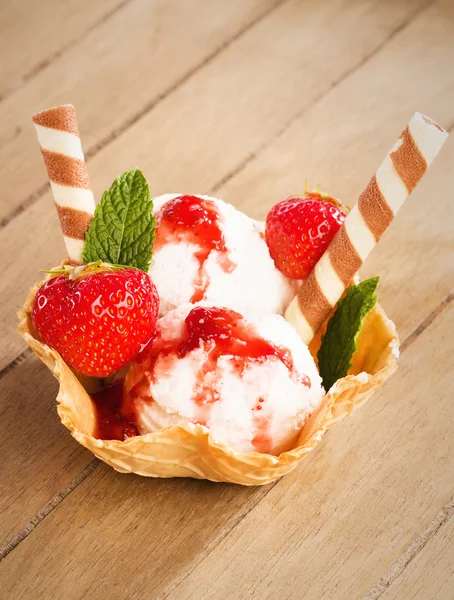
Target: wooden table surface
(246, 99)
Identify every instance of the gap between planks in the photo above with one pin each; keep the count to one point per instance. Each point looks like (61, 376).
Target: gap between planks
(16, 361)
(316, 100)
(34, 71)
(411, 552)
(395, 571)
(94, 150)
(419, 543)
(415, 547)
(47, 509)
(118, 131)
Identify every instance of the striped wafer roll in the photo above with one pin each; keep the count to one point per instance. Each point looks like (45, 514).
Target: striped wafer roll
(388, 189)
(58, 135)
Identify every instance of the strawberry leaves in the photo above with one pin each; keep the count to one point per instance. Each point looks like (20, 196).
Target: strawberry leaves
(123, 228)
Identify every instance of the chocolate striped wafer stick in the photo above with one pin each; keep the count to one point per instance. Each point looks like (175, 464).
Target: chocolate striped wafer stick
(58, 135)
(388, 189)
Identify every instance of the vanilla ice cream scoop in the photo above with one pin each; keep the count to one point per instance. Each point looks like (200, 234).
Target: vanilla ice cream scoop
(252, 383)
(205, 249)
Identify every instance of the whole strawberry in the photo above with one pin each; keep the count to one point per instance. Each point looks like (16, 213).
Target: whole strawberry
(298, 231)
(97, 318)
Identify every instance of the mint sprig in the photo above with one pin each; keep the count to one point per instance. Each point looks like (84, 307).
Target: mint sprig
(122, 231)
(339, 342)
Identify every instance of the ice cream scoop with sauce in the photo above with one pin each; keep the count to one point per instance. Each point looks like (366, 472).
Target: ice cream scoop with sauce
(252, 383)
(205, 249)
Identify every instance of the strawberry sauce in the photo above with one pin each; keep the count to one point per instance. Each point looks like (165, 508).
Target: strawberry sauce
(261, 440)
(220, 332)
(232, 336)
(196, 221)
(110, 424)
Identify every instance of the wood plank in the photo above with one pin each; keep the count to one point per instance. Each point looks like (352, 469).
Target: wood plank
(217, 25)
(30, 48)
(114, 74)
(329, 529)
(46, 245)
(301, 67)
(39, 457)
(130, 501)
(340, 142)
(191, 169)
(333, 527)
(120, 516)
(241, 100)
(430, 575)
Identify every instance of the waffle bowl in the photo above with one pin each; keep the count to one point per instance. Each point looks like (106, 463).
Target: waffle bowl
(189, 451)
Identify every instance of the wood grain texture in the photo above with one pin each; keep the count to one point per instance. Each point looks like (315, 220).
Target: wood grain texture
(431, 574)
(26, 48)
(39, 457)
(362, 115)
(345, 514)
(333, 527)
(112, 76)
(60, 459)
(147, 528)
(249, 101)
(340, 142)
(243, 98)
(193, 170)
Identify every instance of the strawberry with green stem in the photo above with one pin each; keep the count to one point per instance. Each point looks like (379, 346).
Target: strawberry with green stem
(97, 318)
(299, 229)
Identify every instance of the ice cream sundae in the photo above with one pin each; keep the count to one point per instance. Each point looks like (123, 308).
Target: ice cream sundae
(165, 326)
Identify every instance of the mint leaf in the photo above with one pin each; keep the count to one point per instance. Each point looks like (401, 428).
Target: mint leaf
(340, 339)
(122, 231)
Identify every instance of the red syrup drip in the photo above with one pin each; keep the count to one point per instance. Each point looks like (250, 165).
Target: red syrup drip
(110, 423)
(196, 221)
(262, 439)
(221, 332)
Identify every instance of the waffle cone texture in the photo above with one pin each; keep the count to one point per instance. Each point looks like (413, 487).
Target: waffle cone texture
(189, 451)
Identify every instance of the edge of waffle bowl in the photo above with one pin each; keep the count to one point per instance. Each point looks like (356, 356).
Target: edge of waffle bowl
(189, 451)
